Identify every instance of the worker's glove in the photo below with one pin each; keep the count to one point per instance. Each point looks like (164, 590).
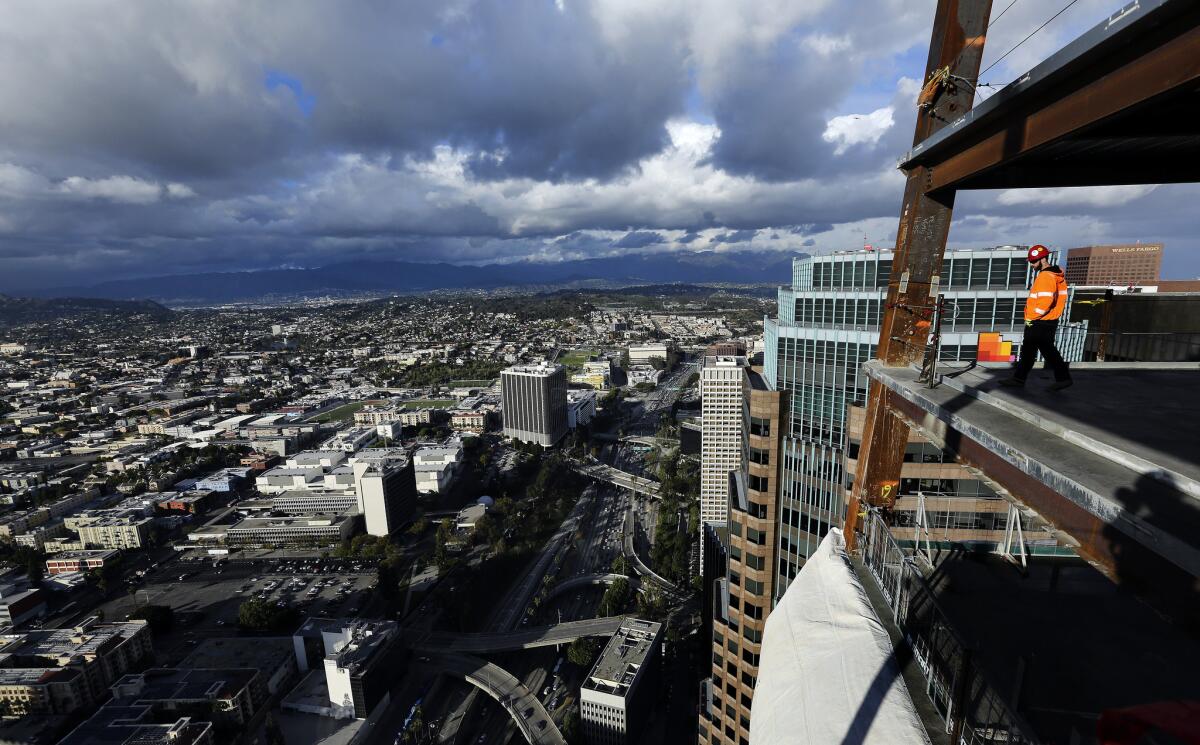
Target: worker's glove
(1029, 323)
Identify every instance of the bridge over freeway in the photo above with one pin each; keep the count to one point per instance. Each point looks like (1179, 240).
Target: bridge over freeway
(538, 728)
(508, 641)
(617, 477)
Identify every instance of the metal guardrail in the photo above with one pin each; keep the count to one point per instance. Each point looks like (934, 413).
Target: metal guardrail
(971, 709)
(1137, 346)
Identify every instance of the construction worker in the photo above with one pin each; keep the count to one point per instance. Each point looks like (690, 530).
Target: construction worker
(1044, 306)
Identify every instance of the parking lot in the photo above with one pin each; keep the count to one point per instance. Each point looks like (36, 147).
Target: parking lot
(206, 598)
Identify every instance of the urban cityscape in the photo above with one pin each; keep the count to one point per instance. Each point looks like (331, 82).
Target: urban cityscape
(283, 466)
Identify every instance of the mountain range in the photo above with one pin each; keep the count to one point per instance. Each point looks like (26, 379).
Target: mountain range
(378, 277)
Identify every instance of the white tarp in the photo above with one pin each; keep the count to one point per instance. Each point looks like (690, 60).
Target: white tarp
(827, 675)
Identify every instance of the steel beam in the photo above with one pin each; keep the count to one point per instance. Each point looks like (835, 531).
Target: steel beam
(959, 33)
(1161, 70)
(1127, 562)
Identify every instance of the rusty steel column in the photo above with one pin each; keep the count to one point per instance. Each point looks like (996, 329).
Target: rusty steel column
(955, 51)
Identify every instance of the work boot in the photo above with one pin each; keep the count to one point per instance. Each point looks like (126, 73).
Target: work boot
(1058, 385)
(1012, 383)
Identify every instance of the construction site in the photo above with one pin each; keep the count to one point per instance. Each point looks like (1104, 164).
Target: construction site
(1079, 623)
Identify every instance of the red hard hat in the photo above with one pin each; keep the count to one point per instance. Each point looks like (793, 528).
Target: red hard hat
(1037, 253)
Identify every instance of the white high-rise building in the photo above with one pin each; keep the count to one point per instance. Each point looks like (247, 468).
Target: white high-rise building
(616, 697)
(534, 398)
(722, 382)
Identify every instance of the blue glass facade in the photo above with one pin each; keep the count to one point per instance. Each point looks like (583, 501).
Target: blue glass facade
(827, 327)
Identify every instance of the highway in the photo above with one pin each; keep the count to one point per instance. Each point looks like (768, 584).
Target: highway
(522, 705)
(640, 566)
(640, 484)
(531, 638)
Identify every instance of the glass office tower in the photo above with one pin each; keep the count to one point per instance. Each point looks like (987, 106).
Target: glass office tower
(828, 326)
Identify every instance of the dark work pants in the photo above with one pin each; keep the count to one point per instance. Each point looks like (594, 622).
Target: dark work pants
(1039, 337)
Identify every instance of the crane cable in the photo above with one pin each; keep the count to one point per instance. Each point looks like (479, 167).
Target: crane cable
(1027, 38)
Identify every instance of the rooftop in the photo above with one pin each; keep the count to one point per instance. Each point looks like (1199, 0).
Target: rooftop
(618, 665)
(135, 725)
(1096, 460)
(183, 684)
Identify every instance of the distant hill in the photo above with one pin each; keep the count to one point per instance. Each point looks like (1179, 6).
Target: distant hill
(362, 277)
(20, 310)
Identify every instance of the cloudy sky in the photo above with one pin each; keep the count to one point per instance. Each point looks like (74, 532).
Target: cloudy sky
(141, 138)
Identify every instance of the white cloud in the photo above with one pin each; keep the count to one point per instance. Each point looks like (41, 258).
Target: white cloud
(122, 189)
(844, 132)
(826, 45)
(1083, 196)
(179, 191)
(19, 182)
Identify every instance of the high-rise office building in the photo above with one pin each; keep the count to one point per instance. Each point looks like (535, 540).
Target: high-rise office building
(742, 599)
(828, 326)
(534, 399)
(801, 434)
(616, 696)
(722, 380)
(387, 493)
(1114, 266)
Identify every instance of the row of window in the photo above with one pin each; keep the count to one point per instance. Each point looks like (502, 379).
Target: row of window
(996, 272)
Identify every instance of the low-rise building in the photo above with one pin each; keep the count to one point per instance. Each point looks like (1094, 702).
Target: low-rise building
(641, 354)
(123, 532)
(224, 480)
(275, 529)
(581, 407)
(615, 698)
(224, 696)
(62, 671)
(81, 561)
(435, 467)
(127, 725)
(469, 421)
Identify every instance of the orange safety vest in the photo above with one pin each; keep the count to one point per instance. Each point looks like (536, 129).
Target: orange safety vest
(1047, 297)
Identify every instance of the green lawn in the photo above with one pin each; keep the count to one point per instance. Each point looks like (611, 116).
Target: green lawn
(420, 403)
(343, 412)
(574, 359)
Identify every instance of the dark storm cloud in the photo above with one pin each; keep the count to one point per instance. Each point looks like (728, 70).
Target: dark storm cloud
(737, 236)
(144, 138)
(638, 239)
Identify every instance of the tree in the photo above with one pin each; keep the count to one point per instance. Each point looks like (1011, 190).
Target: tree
(615, 598)
(259, 615)
(620, 565)
(583, 651)
(441, 557)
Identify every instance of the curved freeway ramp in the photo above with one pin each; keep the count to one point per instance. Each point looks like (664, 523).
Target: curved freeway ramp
(639, 566)
(495, 681)
(591, 580)
(508, 641)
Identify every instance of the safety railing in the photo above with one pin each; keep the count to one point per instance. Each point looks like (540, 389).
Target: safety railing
(1137, 346)
(970, 708)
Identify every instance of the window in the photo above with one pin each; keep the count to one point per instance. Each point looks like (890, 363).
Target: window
(759, 483)
(760, 456)
(754, 587)
(750, 610)
(755, 562)
(760, 427)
